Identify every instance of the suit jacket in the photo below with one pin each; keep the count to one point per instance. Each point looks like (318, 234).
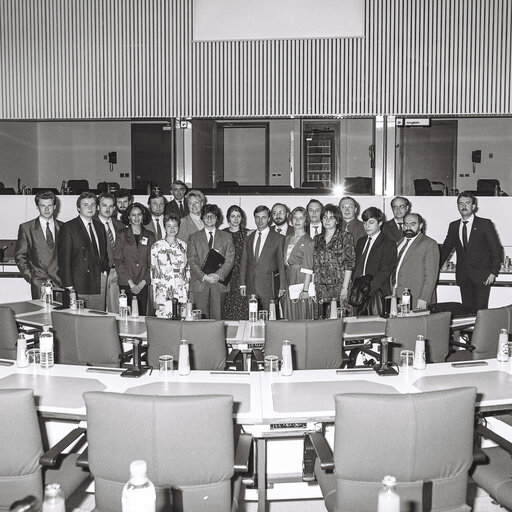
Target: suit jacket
(286, 229)
(419, 270)
(78, 265)
(133, 261)
(381, 262)
(119, 228)
(390, 229)
(173, 207)
(187, 227)
(483, 255)
(37, 263)
(150, 226)
(355, 227)
(197, 250)
(258, 276)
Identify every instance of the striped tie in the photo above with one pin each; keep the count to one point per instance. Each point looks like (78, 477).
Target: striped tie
(110, 235)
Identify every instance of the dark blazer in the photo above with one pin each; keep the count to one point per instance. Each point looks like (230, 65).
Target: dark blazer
(173, 207)
(381, 262)
(286, 229)
(390, 229)
(197, 250)
(133, 261)
(78, 265)
(150, 226)
(258, 276)
(37, 263)
(419, 270)
(355, 227)
(119, 228)
(483, 255)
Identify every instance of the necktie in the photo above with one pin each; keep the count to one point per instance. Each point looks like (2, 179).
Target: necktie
(49, 237)
(158, 230)
(110, 235)
(402, 250)
(278, 230)
(400, 226)
(182, 211)
(93, 241)
(465, 234)
(365, 252)
(316, 230)
(210, 242)
(258, 244)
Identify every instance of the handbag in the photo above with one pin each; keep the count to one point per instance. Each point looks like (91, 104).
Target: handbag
(295, 289)
(360, 291)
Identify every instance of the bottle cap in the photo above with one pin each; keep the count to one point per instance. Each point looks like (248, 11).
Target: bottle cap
(184, 342)
(420, 337)
(46, 328)
(389, 480)
(138, 468)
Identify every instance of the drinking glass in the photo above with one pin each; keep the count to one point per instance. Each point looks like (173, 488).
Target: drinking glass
(196, 314)
(271, 364)
(166, 365)
(33, 356)
(406, 359)
(263, 315)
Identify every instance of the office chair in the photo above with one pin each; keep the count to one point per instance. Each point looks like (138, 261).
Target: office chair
(488, 187)
(435, 328)
(8, 333)
(423, 187)
(86, 340)
(425, 440)
(484, 339)
(107, 186)
(206, 339)
(316, 344)
(187, 442)
(21, 472)
(9, 191)
(78, 186)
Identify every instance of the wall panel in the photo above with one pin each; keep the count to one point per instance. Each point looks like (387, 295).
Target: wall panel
(110, 59)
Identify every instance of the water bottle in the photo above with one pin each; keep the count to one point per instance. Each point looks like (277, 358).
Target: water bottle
(253, 309)
(406, 301)
(188, 311)
(47, 295)
(53, 499)
(389, 501)
(123, 302)
(502, 354)
(139, 492)
(272, 310)
(46, 347)
(420, 360)
(72, 299)
(334, 309)
(184, 359)
(21, 351)
(286, 364)
(135, 307)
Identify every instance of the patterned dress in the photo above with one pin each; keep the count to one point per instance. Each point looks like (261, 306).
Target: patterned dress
(236, 307)
(330, 262)
(170, 275)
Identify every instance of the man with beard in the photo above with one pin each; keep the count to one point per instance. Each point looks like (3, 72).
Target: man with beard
(418, 263)
(478, 250)
(280, 215)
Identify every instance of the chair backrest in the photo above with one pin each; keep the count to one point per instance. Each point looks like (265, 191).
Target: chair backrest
(488, 185)
(20, 448)
(358, 185)
(424, 437)
(86, 340)
(206, 339)
(8, 333)
(435, 328)
(316, 344)
(78, 186)
(187, 443)
(488, 324)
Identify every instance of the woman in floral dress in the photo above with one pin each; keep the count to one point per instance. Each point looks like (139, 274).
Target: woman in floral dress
(170, 273)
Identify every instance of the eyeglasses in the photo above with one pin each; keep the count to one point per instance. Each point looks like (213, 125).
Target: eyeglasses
(348, 207)
(210, 216)
(400, 207)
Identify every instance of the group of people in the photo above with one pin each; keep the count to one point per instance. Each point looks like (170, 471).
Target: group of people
(163, 253)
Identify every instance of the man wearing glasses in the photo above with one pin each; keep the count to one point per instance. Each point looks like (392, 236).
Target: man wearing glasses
(401, 207)
(208, 291)
(478, 250)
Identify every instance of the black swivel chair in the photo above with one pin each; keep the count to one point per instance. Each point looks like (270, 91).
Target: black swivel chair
(488, 187)
(423, 187)
(78, 186)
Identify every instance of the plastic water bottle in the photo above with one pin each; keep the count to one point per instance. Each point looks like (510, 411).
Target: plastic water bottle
(53, 499)
(135, 307)
(287, 363)
(406, 301)
(47, 296)
(46, 347)
(393, 309)
(139, 492)
(253, 309)
(184, 359)
(272, 310)
(334, 309)
(21, 351)
(72, 299)
(502, 354)
(420, 360)
(123, 302)
(389, 501)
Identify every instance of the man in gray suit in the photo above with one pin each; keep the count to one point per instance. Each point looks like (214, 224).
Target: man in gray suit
(418, 263)
(36, 247)
(208, 291)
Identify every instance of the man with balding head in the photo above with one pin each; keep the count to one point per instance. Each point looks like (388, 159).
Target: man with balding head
(418, 263)
(393, 228)
(350, 223)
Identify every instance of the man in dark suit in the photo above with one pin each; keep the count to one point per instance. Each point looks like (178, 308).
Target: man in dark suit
(178, 205)
(112, 226)
(262, 265)
(375, 252)
(401, 206)
(208, 293)
(83, 256)
(36, 247)
(156, 205)
(350, 223)
(315, 209)
(280, 214)
(479, 253)
(418, 263)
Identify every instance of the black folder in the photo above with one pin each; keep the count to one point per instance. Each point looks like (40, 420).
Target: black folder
(213, 261)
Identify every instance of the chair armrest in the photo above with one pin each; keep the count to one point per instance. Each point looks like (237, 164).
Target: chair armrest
(257, 360)
(243, 452)
(50, 457)
(323, 450)
(83, 459)
(461, 344)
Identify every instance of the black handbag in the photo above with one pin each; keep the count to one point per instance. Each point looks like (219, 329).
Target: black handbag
(364, 302)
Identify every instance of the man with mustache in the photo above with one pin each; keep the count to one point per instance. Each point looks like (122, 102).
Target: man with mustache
(418, 263)
(478, 250)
